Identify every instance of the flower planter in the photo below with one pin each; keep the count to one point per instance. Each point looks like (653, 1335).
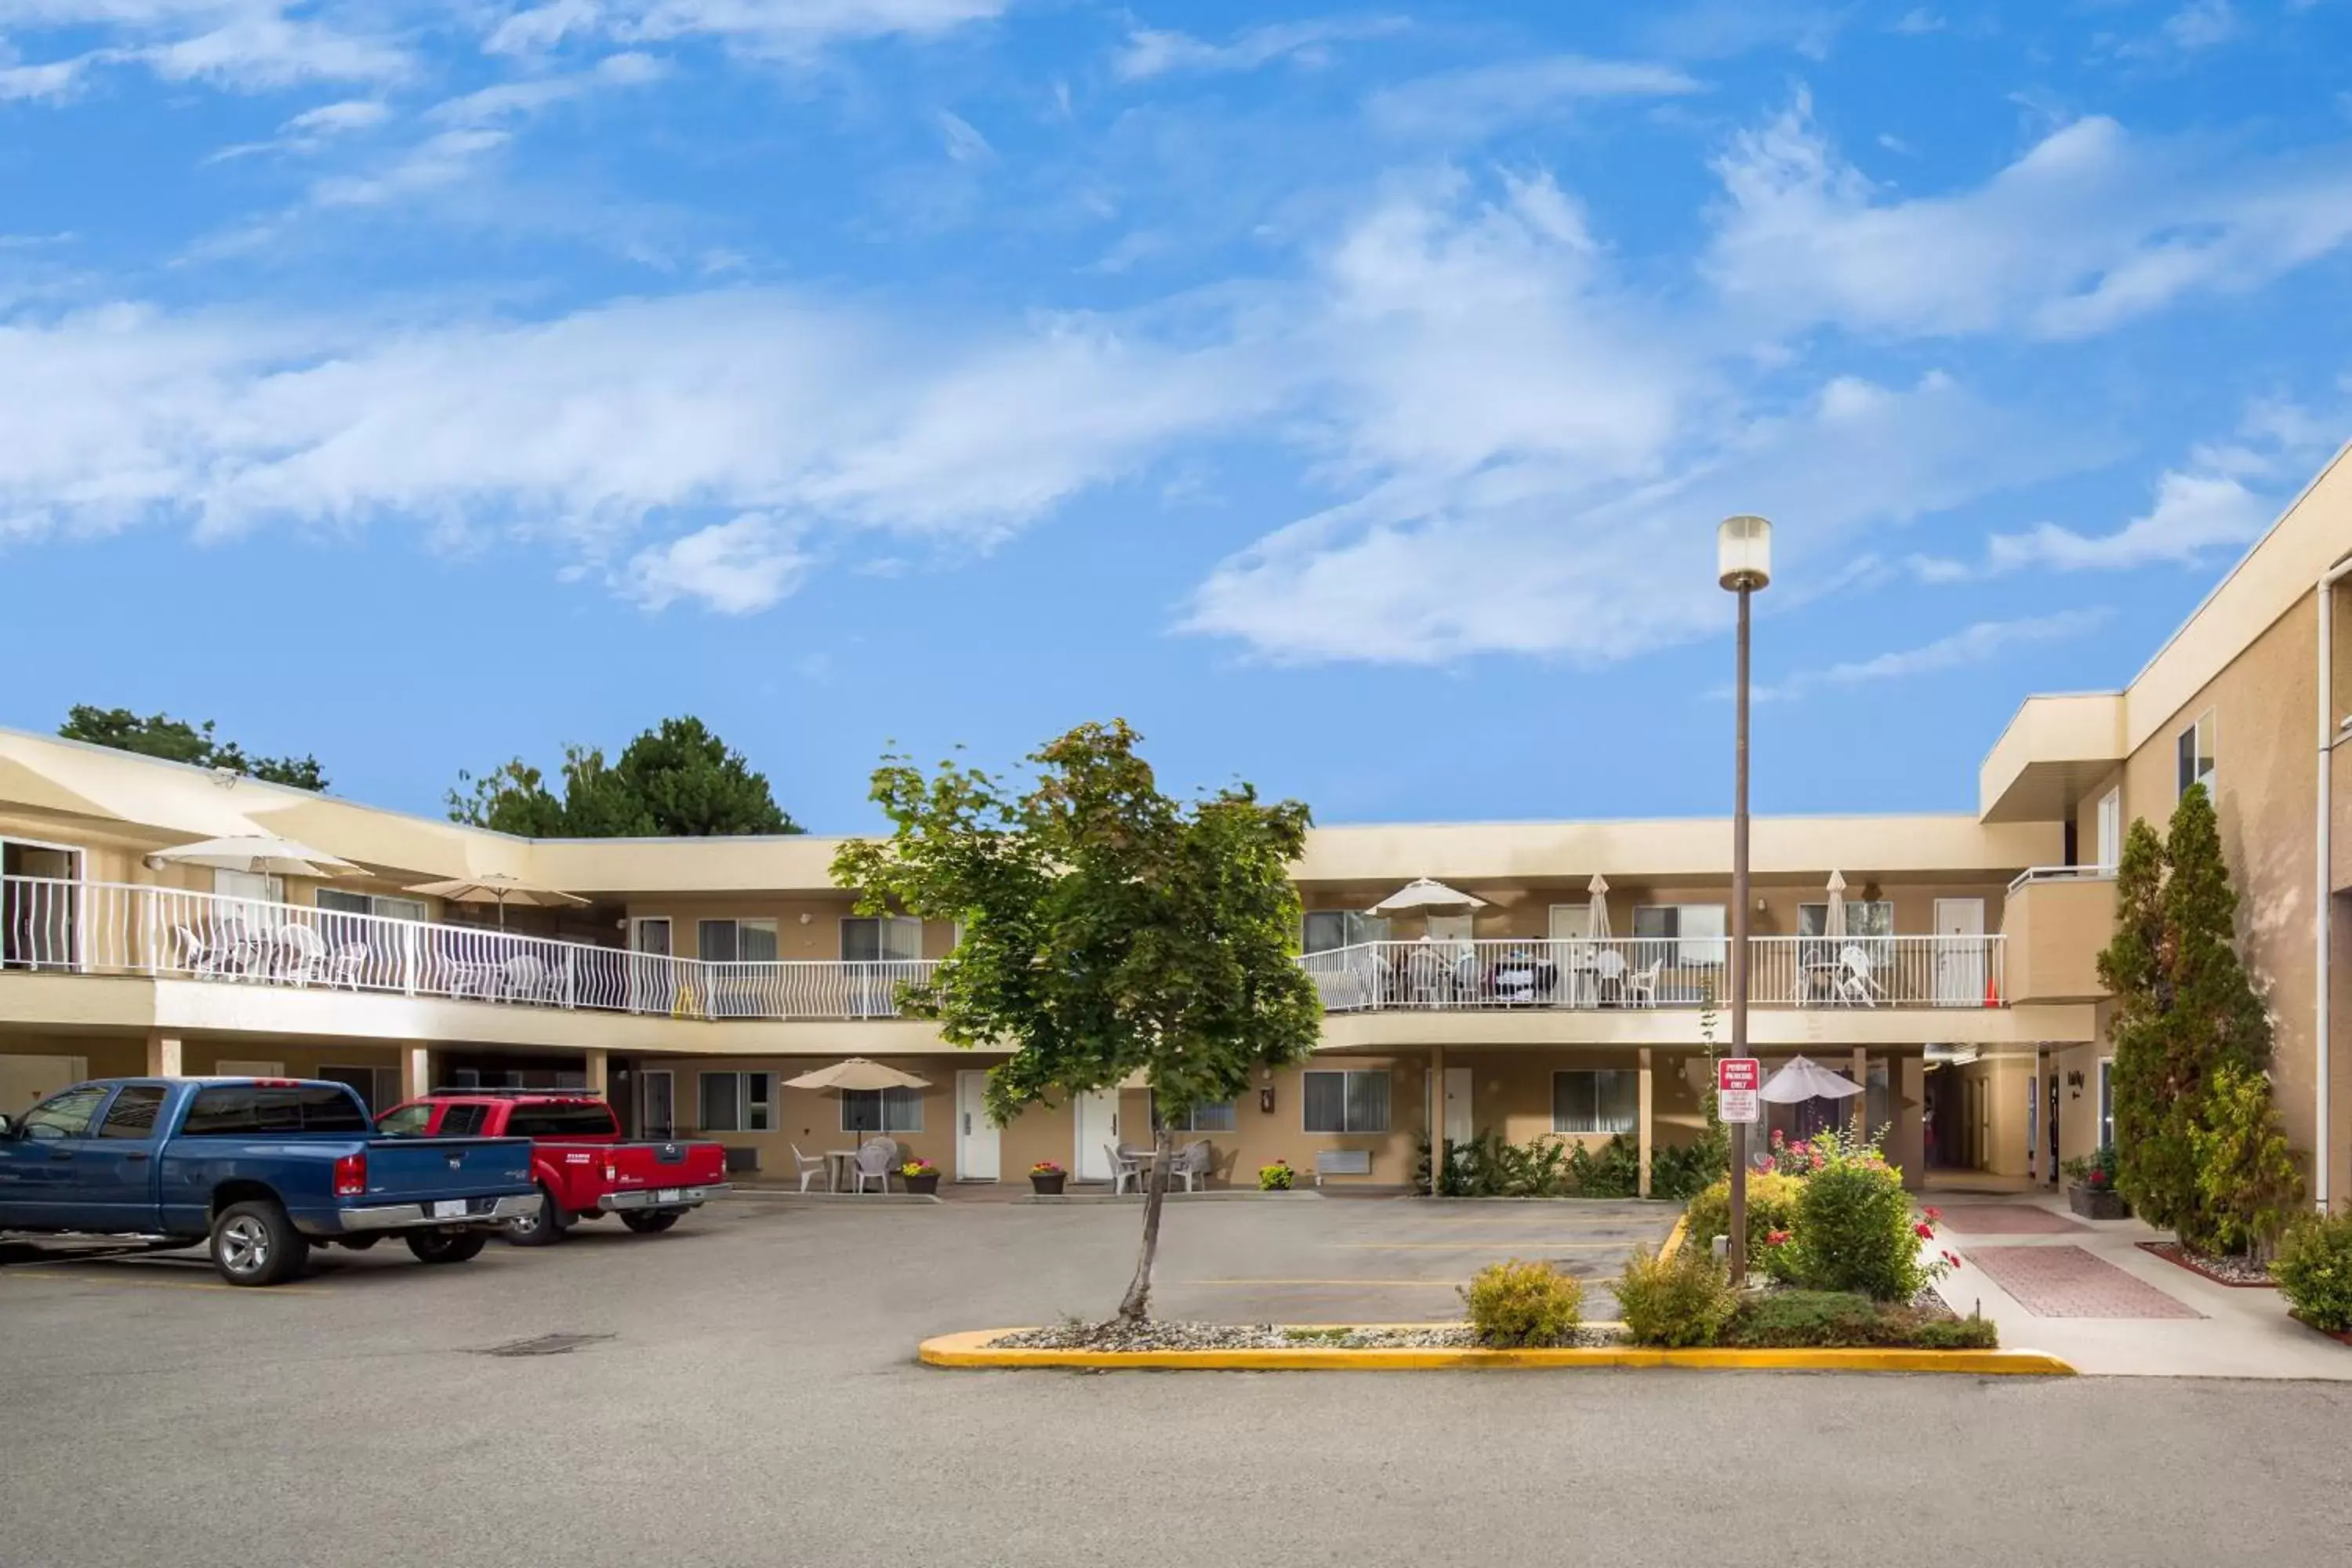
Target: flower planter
(1048, 1185)
(2098, 1203)
(923, 1184)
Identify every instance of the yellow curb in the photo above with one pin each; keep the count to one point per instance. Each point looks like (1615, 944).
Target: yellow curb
(968, 1350)
(1674, 1243)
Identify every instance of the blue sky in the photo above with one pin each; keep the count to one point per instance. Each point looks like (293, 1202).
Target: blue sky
(1345, 396)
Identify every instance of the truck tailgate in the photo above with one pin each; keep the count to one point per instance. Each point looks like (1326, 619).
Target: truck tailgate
(419, 1169)
(668, 1164)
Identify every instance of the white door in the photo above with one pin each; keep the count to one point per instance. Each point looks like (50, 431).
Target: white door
(1959, 953)
(26, 1081)
(1096, 1115)
(975, 1133)
(1460, 1127)
(2111, 829)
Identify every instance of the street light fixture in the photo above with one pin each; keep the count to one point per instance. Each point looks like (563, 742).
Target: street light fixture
(1743, 551)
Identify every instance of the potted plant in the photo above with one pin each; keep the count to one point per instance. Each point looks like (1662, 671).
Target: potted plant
(2091, 1185)
(1277, 1177)
(1046, 1178)
(921, 1175)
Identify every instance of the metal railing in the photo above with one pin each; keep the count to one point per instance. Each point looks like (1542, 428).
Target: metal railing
(1659, 972)
(119, 928)
(2032, 875)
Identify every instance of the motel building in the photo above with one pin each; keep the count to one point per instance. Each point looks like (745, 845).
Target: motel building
(1575, 998)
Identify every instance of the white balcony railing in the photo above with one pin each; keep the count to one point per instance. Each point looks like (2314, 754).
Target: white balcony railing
(114, 927)
(1647, 971)
(108, 928)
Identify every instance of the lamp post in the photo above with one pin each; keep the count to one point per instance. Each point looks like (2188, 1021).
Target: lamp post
(1743, 550)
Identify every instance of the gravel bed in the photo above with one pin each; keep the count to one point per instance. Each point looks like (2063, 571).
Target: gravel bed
(2228, 1269)
(1164, 1336)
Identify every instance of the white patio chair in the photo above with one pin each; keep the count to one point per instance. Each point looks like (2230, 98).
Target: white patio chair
(348, 966)
(197, 956)
(1641, 989)
(1428, 975)
(1607, 975)
(808, 1166)
(1124, 1168)
(523, 978)
(890, 1147)
(1192, 1165)
(301, 955)
(1856, 986)
(872, 1165)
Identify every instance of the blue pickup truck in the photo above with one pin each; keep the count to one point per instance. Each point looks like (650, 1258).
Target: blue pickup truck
(260, 1169)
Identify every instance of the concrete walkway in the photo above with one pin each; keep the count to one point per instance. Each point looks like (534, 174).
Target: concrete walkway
(2097, 1267)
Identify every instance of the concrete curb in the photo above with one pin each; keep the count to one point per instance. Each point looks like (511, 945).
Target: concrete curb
(968, 1350)
(819, 1200)
(1675, 1237)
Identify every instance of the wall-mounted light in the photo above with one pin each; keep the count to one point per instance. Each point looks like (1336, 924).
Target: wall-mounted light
(1266, 1100)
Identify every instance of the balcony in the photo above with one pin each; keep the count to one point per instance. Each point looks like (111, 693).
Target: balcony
(126, 928)
(2058, 920)
(1643, 974)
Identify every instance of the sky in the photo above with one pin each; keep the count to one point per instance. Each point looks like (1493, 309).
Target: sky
(1345, 396)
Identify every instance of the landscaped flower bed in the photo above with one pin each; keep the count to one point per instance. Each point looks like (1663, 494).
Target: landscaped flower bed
(1166, 1336)
(2238, 1271)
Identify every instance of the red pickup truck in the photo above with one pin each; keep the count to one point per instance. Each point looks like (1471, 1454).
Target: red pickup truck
(584, 1167)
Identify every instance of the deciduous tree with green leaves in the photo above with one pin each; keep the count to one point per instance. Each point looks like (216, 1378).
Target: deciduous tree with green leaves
(679, 780)
(1109, 931)
(177, 740)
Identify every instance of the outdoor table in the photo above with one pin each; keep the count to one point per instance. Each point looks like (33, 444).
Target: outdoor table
(840, 1165)
(1810, 976)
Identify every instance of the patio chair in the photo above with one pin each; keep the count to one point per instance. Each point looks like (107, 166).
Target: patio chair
(197, 955)
(872, 1165)
(1124, 1168)
(1192, 1165)
(1641, 989)
(890, 1147)
(348, 966)
(1608, 976)
(808, 1166)
(301, 955)
(1428, 976)
(1856, 986)
(523, 978)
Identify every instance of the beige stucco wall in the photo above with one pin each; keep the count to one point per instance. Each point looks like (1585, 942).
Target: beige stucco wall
(2056, 931)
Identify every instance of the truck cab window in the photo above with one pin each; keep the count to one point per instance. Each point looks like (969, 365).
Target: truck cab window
(63, 1115)
(134, 1113)
(408, 1122)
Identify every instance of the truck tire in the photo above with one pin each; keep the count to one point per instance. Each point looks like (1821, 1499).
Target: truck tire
(544, 1229)
(442, 1246)
(651, 1222)
(253, 1243)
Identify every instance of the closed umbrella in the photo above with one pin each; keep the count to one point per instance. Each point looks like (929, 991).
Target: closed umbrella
(257, 854)
(1833, 923)
(498, 888)
(1599, 887)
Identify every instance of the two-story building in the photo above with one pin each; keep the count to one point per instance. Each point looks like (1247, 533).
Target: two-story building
(1946, 962)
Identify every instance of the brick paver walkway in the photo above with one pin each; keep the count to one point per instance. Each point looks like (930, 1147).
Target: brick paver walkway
(2068, 1282)
(2007, 1219)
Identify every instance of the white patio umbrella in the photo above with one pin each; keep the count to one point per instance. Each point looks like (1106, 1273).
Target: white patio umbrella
(1805, 1078)
(1833, 923)
(855, 1075)
(1421, 896)
(258, 853)
(498, 888)
(1599, 920)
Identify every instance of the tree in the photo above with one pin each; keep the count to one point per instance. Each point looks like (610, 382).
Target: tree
(1108, 930)
(676, 781)
(2197, 1145)
(177, 740)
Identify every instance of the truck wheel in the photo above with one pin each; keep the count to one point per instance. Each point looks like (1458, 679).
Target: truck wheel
(542, 1228)
(253, 1243)
(652, 1224)
(442, 1246)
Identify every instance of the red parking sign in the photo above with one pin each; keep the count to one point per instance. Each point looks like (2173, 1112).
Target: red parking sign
(1736, 1073)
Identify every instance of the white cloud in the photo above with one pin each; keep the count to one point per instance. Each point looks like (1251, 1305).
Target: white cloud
(2091, 227)
(1469, 105)
(334, 119)
(541, 26)
(2201, 25)
(1714, 29)
(516, 100)
(439, 160)
(788, 29)
(1150, 52)
(736, 567)
(2195, 512)
(52, 80)
(1919, 19)
(965, 144)
(248, 46)
(1976, 645)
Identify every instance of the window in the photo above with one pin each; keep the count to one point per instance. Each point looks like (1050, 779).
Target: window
(134, 1113)
(374, 1086)
(867, 939)
(2197, 754)
(882, 1111)
(1864, 916)
(1697, 929)
(1213, 1116)
(1605, 1100)
(462, 1121)
(2106, 1102)
(577, 1119)
(65, 1115)
(248, 885)
(739, 1101)
(736, 942)
(1350, 1102)
(1327, 930)
(2111, 829)
(408, 1122)
(339, 901)
(246, 1110)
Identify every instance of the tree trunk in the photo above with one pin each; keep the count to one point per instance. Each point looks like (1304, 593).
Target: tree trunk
(1136, 1307)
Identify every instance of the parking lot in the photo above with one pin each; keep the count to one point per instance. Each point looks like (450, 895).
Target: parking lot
(742, 1391)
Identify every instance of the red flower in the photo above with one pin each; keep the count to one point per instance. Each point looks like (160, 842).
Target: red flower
(1933, 1214)
(1953, 1259)
(2098, 1179)
(1924, 1231)
(1776, 1238)
(1769, 1166)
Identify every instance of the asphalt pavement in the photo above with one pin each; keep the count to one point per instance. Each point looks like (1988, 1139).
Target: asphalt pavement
(742, 1391)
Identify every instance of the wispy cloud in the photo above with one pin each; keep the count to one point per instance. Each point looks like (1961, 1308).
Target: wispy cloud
(736, 567)
(2201, 25)
(965, 144)
(783, 28)
(2195, 514)
(1980, 644)
(1470, 105)
(518, 99)
(1714, 29)
(1150, 51)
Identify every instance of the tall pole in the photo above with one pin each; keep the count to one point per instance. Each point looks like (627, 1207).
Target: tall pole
(1739, 948)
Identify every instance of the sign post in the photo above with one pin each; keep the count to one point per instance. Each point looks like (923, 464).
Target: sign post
(1738, 1105)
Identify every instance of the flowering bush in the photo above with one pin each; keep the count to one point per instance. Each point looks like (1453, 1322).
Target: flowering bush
(1045, 1168)
(1771, 1210)
(1277, 1177)
(2097, 1171)
(1517, 1303)
(1798, 1159)
(1854, 1229)
(919, 1167)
